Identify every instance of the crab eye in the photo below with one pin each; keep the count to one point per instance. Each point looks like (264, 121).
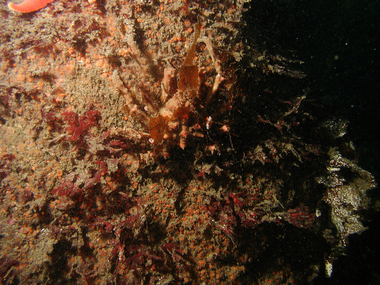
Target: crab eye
(208, 122)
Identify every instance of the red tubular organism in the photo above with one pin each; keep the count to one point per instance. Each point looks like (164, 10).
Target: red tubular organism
(28, 6)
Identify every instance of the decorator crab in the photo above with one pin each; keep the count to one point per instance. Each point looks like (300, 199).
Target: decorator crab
(181, 110)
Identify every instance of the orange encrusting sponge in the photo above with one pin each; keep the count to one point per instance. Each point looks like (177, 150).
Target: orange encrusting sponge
(28, 6)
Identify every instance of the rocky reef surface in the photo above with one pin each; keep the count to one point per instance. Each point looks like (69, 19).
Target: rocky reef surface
(152, 142)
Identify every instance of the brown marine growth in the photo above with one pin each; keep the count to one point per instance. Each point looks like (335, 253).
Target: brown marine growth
(162, 126)
(189, 82)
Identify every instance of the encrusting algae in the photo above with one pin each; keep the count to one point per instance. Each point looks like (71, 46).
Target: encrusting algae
(148, 142)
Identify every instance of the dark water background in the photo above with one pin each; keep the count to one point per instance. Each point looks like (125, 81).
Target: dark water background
(339, 41)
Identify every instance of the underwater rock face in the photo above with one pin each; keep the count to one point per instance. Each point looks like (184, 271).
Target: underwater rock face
(151, 142)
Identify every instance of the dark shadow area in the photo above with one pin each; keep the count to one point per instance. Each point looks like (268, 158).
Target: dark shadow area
(338, 41)
(339, 44)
